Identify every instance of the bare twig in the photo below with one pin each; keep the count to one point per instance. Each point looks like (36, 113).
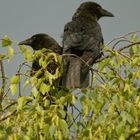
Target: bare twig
(117, 38)
(6, 92)
(122, 37)
(98, 60)
(74, 121)
(128, 46)
(120, 41)
(78, 58)
(20, 67)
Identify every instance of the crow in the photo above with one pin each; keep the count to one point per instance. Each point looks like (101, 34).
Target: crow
(38, 42)
(82, 44)
(42, 40)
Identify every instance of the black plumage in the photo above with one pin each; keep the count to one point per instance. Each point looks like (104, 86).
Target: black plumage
(83, 38)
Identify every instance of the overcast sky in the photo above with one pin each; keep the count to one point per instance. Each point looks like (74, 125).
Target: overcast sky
(20, 19)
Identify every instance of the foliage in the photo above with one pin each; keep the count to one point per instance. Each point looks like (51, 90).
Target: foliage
(109, 110)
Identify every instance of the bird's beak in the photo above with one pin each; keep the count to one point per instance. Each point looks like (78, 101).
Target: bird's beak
(26, 42)
(106, 13)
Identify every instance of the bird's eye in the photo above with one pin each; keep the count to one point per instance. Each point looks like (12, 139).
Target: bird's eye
(83, 28)
(66, 29)
(34, 37)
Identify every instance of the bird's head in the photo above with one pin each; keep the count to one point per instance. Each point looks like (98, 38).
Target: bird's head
(93, 9)
(38, 41)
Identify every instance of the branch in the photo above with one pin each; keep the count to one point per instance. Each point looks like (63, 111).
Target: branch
(3, 82)
(133, 135)
(120, 41)
(116, 73)
(13, 103)
(128, 46)
(20, 67)
(122, 37)
(78, 58)
(98, 60)
(4, 118)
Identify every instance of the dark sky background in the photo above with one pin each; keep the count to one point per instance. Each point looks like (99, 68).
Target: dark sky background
(20, 19)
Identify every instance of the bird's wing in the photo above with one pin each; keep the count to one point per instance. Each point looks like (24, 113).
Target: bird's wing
(73, 36)
(85, 38)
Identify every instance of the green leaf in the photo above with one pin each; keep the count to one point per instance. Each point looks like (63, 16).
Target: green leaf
(42, 62)
(46, 103)
(134, 112)
(15, 79)
(26, 83)
(127, 88)
(62, 100)
(122, 137)
(62, 113)
(126, 117)
(134, 37)
(131, 51)
(73, 99)
(35, 91)
(10, 52)
(111, 108)
(26, 52)
(59, 58)
(119, 128)
(13, 88)
(6, 41)
(62, 125)
(44, 88)
(21, 102)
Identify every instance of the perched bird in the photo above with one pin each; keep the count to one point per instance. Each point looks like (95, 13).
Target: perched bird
(38, 42)
(82, 44)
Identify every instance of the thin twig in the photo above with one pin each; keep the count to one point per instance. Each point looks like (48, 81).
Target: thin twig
(20, 67)
(123, 37)
(117, 38)
(120, 41)
(74, 121)
(22, 74)
(6, 92)
(115, 72)
(128, 46)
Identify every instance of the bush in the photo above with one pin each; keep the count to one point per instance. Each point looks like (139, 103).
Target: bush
(108, 110)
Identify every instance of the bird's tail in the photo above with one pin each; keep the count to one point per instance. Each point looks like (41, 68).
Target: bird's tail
(73, 74)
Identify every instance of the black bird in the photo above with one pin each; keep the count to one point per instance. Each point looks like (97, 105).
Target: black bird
(83, 38)
(38, 42)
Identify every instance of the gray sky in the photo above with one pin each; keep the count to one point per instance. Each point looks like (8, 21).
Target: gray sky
(20, 19)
